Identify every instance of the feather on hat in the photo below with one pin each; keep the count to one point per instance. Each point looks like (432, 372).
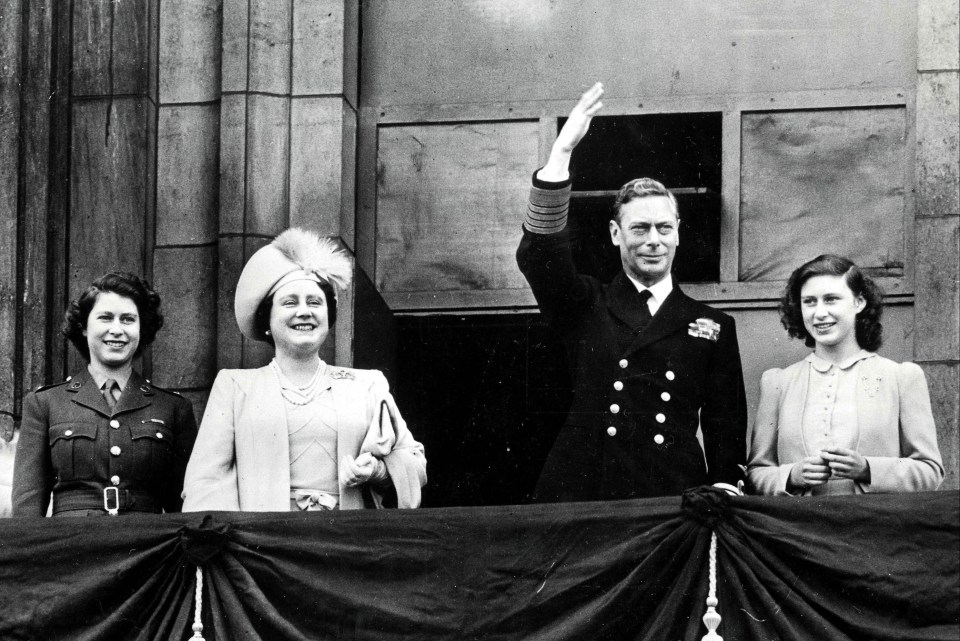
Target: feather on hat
(295, 253)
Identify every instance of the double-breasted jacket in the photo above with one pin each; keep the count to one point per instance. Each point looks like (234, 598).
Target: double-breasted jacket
(639, 395)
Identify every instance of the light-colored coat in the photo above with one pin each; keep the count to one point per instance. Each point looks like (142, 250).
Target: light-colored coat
(241, 460)
(897, 435)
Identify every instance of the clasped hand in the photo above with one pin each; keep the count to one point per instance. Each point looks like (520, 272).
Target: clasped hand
(357, 471)
(833, 463)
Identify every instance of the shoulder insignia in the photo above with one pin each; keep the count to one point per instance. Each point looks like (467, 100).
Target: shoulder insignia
(149, 389)
(339, 373)
(43, 388)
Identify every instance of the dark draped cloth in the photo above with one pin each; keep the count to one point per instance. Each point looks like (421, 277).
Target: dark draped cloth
(858, 567)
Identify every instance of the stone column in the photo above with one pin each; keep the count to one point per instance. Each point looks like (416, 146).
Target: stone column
(287, 143)
(184, 91)
(937, 228)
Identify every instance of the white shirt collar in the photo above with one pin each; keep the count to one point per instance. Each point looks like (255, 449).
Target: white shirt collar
(99, 377)
(823, 365)
(658, 291)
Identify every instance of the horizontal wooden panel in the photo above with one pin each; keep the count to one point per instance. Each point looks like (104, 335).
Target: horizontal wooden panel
(483, 51)
(752, 295)
(814, 182)
(450, 202)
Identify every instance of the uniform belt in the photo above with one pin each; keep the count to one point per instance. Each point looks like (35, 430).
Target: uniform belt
(126, 501)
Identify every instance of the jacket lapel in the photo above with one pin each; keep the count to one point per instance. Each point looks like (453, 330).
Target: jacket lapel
(676, 312)
(623, 301)
(265, 427)
(87, 393)
(136, 395)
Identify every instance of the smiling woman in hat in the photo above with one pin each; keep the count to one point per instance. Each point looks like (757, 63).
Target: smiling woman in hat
(106, 441)
(299, 434)
(844, 420)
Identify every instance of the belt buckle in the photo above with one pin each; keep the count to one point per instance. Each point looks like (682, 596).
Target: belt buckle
(112, 511)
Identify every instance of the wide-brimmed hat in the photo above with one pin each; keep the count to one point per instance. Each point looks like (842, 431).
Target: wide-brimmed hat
(296, 254)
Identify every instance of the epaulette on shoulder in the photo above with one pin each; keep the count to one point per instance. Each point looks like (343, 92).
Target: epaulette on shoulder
(161, 389)
(44, 388)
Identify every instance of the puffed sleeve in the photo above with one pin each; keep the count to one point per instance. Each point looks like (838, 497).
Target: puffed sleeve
(919, 467)
(210, 482)
(406, 462)
(766, 474)
(32, 470)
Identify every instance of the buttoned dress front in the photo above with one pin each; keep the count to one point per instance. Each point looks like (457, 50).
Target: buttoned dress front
(73, 445)
(640, 391)
(868, 403)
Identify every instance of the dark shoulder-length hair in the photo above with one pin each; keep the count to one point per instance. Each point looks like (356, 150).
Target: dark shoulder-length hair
(869, 330)
(122, 284)
(261, 318)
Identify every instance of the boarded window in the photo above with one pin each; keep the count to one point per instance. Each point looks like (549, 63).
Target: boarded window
(825, 181)
(450, 202)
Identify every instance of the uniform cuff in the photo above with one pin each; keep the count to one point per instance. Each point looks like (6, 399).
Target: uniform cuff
(548, 206)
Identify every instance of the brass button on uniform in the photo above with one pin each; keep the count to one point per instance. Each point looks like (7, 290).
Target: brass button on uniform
(160, 435)
(115, 450)
(665, 396)
(617, 385)
(658, 439)
(68, 433)
(115, 480)
(612, 431)
(614, 409)
(661, 418)
(114, 423)
(670, 375)
(623, 363)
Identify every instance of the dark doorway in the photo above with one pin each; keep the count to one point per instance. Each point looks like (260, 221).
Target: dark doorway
(486, 395)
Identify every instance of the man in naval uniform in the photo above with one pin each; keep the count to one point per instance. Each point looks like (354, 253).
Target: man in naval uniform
(649, 364)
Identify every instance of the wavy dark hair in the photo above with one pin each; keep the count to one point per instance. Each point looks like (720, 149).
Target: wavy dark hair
(261, 318)
(122, 284)
(869, 329)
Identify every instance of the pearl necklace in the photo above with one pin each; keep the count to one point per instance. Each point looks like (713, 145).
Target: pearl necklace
(299, 395)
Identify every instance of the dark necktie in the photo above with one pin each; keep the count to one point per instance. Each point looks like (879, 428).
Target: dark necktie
(108, 386)
(644, 312)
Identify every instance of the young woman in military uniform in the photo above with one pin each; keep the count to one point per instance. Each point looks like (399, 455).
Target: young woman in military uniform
(106, 441)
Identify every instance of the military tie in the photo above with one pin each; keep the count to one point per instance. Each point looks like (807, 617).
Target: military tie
(108, 386)
(644, 312)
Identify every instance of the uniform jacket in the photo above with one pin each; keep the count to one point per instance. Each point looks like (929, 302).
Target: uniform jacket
(638, 396)
(241, 460)
(68, 436)
(897, 435)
